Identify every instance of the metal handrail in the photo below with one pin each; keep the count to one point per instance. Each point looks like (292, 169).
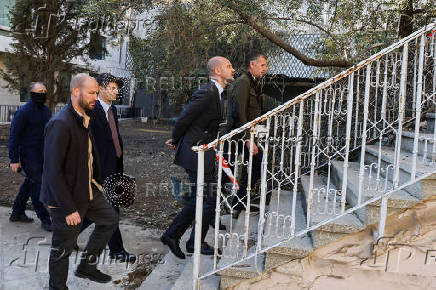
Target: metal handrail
(367, 108)
(428, 28)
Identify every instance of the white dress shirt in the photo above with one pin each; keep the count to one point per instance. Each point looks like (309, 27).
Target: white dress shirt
(105, 106)
(219, 87)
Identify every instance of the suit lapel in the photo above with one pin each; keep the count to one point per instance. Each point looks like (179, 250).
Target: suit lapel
(217, 99)
(101, 115)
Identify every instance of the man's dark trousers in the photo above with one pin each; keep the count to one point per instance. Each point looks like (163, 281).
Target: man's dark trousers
(116, 241)
(31, 187)
(65, 237)
(185, 217)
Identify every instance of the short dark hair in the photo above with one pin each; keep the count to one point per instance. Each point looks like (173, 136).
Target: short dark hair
(253, 55)
(105, 78)
(33, 84)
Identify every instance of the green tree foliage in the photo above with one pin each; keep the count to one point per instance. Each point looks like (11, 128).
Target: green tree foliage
(182, 39)
(183, 34)
(47, 36)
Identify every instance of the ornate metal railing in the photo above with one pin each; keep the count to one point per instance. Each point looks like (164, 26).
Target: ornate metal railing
(7, 112)
(346, 122)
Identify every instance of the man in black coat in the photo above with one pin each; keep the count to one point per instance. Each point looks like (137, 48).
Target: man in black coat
(71, 186)
(105, 130)
(26, 144)
(198, 124)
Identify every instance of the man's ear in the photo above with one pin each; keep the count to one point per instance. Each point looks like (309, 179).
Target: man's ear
(76, 91)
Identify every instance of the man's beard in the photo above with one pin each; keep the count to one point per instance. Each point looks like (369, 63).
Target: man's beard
(86, 106)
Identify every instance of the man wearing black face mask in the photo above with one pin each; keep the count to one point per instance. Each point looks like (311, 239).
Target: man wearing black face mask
(26, 142)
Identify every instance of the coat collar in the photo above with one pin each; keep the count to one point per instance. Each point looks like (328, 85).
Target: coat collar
(253, 81)
(76, 115)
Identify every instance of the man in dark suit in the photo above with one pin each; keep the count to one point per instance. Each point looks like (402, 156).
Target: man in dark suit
(198, 124)
(71, 186)
(104, 128)
(26, 143)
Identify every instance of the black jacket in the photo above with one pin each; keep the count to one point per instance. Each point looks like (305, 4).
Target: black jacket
(198, 124)
(26, 140)
(101, 131)
(246, 92)
(65, 177)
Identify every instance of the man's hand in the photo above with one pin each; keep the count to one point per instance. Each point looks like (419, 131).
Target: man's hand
(15, 167)
(255, 149)
(170, 144)
(73, 219)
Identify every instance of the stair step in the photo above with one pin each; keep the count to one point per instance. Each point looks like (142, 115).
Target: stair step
(369, 214)
(168, 271)
(430, 117)
(387, 158)
(387, 155)
(335, 229)
(244, 269)
(408, 139)
(234, 251)
(173, 270)
(278, 228)
(185, 281)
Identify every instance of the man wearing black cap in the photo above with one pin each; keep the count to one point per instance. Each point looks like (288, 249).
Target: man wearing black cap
(104, 128)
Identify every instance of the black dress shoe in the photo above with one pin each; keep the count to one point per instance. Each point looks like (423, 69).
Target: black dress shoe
(205, 249)
(123, 256)
(88, 269)
(173, 244)
(47, 226)
(20, 218)
(92, 274)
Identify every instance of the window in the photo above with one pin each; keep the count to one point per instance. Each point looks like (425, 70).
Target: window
(97, 48)
(5, 6)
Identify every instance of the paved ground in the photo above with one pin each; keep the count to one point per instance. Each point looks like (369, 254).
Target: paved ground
(24, 252)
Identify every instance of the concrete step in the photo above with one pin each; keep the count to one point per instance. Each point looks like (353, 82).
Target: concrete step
(234, 251)
(243, 270)
(172, 270)
(430, 117)
(278, 228)
(168, 271)
(369, 214)
(326, 204)
(387, 155)
(185, 280)
(425, 144)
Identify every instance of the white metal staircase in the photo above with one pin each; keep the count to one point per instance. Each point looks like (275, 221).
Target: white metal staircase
(342, 156)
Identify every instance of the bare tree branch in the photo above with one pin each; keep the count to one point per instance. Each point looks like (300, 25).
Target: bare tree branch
(279, 42)
(219, 24)
(309, 23)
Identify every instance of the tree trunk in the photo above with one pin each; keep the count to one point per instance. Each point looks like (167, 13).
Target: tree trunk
(405, 27)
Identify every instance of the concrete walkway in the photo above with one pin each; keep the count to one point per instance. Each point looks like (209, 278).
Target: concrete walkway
(24, 253)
